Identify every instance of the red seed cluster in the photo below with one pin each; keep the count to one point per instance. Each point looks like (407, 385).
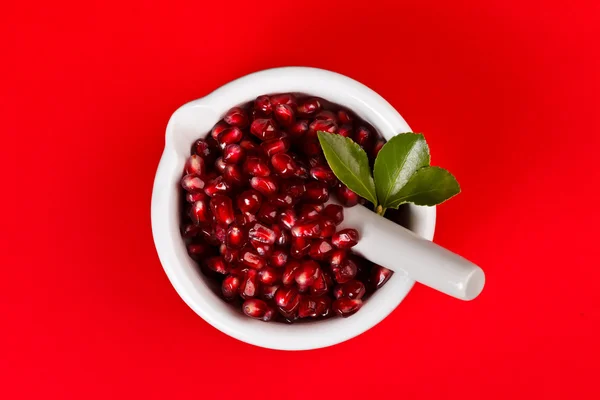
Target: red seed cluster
(257, 219)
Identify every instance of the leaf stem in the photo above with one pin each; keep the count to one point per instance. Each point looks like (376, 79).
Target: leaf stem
(380, 210)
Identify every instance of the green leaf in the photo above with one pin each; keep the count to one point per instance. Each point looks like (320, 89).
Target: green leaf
(427, 187)
(349, 163)
(396, 162)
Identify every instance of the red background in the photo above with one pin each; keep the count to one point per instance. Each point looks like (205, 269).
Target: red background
(505, 91)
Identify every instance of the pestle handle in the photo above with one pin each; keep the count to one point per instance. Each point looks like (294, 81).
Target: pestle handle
(397, 248)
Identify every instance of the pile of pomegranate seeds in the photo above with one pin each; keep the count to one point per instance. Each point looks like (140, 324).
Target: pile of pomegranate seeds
(255, 215)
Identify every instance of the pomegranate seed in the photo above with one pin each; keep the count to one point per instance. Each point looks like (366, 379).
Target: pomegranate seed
(275, 146)
(284, 165)
(192, 183)
(262, 234)
(288, 317)
(316, 192)
(231, 255)
(236, 236)
(328, 278)
(307, 307)
(287, 299)
(323, 306)
(289, 272)
(283, 200)
(195, 165)
(320, 249)
(197, 250)
(211, 176)
(230, 286)
(283, 237)
(218, 128)
(267, 213)
(256, 166)
(300, 247)
(320, 286)
(323, 174)
(284, 114)
(217, 264)
(346, 196)
(217, 186)
(263, 128)
(345, 131)
(299, 128)
(317, 161)
(335, 212)
(328, 228)
(265, 185)
(345, 238)
(279, 258)
(288, 218)
(199, 212)
(363, 137)
(222, 209)
(301, 172)
(269, 314)
(313, 306)
(345, 307)
(310, 212)
(254, 114)
(308, 107)
(222, 248)
(310, 229)
(293, 187)
(239, 270)
(249, 201)
(344, 117)
(307, 274)
(344, 272)
(190, 231)
(326, 115)
(268, 292)
(337, 257)
(379, 276)
(269, 276)
(233, 175)
(286, 98)
(324, 125)
(208, 234)
(377, 148)
(195, 196)
(212, 142)
(245, 219)
(249, 146)
(250, 258)
(233, 154)
(202, 148)
(220, 164)
(353, 289)
(311, 147)
(220, 232)
(236, 117)
(263, 249)
(262, 104)
(257, 309)
(230, 135)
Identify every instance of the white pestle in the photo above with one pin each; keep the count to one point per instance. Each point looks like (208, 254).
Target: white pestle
(397, 248)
